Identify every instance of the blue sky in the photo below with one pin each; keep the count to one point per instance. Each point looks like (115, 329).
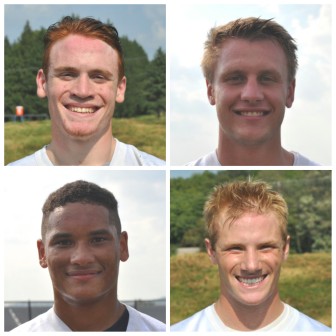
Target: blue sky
(144, 23)
(193, 123)
(142, 208)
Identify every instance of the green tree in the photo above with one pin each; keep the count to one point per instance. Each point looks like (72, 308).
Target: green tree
(155, 85)
(136, 66)
(145, 93)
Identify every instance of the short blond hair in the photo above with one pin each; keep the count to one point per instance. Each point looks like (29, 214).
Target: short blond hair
(251, 29)
(230, 201)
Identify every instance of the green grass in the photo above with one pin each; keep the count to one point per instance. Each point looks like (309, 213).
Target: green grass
(305, 284)
(147, 133)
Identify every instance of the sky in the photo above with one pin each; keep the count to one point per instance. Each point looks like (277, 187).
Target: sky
(144, 23)
(193, 123)
(142, 208)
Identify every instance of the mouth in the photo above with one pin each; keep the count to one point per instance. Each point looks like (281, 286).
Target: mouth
(252, 114)
(82, 110)
(251, 281)
(83, 274)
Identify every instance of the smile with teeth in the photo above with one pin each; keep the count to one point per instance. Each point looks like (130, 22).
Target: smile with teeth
(82, 109)
(250, 281)
(251, 113)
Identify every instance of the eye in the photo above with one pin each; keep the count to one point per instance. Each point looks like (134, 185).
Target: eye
(267, 78)
(234, 249)
(98, 240)
(267, 247)
(63, 243)
(67, 76)
(234, 79)
(98, 77)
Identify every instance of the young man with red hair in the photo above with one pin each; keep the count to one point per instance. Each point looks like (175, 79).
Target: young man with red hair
(83, 78)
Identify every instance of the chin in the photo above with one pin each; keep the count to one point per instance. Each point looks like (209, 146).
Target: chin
(80, 133)
(82, 298)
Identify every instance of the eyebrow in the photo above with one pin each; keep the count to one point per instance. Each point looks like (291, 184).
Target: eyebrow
(102, 232)
(239, 71)
(66, 235)
(268, 242)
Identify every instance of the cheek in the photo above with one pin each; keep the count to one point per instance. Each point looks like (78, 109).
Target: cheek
(57, 259)
(229, 265)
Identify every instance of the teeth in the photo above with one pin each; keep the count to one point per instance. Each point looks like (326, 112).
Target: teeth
(252, 114)
(250, 281)
(82, 109)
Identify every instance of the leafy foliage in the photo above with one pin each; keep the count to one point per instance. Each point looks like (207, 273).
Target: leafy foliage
(307, 193)
(146, 80)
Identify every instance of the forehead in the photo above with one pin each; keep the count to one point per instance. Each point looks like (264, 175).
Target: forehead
(251, 227)
(257, 54)
(77, 49)
(79, 218)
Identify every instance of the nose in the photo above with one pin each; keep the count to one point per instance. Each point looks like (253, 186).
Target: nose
(82, 87)
(252, 92)
(251, 262)
(82, 255)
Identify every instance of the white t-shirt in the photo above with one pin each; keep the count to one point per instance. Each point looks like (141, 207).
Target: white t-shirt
(290, 320)
(211, 159)
(49, 321)
(124, 155)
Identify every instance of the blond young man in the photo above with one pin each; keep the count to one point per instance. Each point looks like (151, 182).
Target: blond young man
(248, 241)
(250, 66)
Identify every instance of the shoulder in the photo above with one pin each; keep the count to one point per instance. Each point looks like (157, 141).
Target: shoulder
(300, 160)
(206, 160)
(306, 323)
(47, 321)
(141, 322)
(200, 321)
(39, 158)
(129, 155)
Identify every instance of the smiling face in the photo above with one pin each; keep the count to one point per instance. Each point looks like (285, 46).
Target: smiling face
(251, 90)
(82, 86)
(249, 253)
(82, 251)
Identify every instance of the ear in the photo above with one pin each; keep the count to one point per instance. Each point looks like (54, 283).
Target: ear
(210, 93)
(121, 89)
(41, 83)
(286, 248)
(124, 254)
(290, 93)
(210, 251)
(41, 253)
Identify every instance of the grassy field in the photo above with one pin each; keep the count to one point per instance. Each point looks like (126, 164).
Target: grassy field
(305, 283)
(147, 133)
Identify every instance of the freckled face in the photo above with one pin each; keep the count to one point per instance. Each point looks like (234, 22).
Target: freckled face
(251, 90)
(249, 254)
(82, 251)
(82, 86)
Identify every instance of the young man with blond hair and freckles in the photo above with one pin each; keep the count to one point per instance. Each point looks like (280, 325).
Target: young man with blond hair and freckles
(83, 78)
(250, 66)
(248, 241)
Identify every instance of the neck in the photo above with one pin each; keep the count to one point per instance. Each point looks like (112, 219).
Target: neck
(93, 316)
(70, 151)
(248, 318)
(270, 153)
